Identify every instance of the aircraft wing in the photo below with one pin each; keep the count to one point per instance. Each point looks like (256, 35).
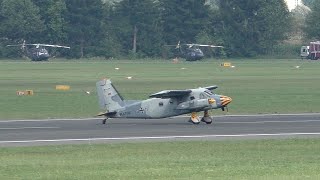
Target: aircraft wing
(211, 87)
(170, 93)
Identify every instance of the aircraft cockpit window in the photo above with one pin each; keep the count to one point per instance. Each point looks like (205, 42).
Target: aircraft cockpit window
(208, 92)
(160, 103)
(192, 98)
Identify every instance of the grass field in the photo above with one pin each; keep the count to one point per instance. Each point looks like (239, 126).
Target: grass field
(256, 86)
(254, 159)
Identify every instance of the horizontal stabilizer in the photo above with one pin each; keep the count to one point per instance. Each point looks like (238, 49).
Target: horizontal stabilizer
(106, 114)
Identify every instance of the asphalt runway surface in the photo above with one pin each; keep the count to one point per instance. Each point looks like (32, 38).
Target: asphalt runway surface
(87, 131)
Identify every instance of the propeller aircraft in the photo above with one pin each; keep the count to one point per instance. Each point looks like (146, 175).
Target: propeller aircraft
(192, 52)
(38, 51)
(163, 104)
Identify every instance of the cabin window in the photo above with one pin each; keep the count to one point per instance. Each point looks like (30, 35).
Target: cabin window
(160, 103)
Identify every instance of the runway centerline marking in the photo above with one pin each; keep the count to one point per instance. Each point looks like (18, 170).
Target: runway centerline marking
(162, 137)
(20, 128)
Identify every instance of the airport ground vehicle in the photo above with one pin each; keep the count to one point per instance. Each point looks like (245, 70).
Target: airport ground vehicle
(312, 51)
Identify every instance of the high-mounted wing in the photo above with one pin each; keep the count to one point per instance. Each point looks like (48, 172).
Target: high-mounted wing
(211, 87)
(170, 93)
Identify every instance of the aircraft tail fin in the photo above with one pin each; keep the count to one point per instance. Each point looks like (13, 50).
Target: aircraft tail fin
(109, 98)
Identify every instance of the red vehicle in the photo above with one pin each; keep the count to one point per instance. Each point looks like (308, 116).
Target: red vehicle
(312, 51)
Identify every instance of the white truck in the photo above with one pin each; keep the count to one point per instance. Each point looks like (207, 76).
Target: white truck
(311, 52)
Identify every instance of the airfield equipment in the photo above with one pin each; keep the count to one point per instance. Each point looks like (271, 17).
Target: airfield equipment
(163, 104)
(192, 52)
(38, 51)
(311, 52)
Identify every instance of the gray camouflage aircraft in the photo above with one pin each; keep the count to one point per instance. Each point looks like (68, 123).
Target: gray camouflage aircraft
(163, 104)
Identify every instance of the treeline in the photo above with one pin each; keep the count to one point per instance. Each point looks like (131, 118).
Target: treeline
(141, 28)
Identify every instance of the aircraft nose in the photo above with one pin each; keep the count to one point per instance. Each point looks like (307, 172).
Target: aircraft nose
(225, 100)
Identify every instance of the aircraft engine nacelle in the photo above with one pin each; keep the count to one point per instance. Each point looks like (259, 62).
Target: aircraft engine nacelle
(196, 104)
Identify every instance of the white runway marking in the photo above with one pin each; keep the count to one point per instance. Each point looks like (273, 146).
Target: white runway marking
(44, 120)
(19, 128)
(161, 137)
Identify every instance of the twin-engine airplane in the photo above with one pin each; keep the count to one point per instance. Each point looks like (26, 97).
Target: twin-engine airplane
(163, 104)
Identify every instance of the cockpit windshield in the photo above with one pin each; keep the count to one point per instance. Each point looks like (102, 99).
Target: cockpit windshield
(208, 93)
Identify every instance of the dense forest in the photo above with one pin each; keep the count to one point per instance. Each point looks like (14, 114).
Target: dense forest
(142, 28)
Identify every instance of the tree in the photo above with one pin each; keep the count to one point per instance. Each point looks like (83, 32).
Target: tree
(252, 27)
(308, 2)
(183, 20)
(20, 20)
(53, 15)
(85, 28)
(137, 23)
(312, 29)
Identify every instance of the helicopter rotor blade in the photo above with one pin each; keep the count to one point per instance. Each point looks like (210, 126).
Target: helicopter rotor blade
(53, 45)
(177, 45)
(203, 45)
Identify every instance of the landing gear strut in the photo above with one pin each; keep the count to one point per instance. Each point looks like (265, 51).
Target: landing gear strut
(194, 119)
(104, 121)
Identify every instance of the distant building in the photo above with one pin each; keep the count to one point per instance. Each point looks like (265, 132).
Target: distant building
(293, 4)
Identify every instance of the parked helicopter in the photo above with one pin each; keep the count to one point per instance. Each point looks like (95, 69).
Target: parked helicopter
(38, 51)
(192, 52)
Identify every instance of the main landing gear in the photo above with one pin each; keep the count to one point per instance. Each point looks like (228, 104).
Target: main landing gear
(195, 119)
(104, 121)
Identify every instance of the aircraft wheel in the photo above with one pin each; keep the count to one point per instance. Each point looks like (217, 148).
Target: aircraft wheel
(194, 119)
(207, 120)
(194, 122)
(104, 121)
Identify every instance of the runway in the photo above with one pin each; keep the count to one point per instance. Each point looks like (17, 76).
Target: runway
(74, 131)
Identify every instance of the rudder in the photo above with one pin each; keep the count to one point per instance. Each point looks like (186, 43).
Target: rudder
(109, 98)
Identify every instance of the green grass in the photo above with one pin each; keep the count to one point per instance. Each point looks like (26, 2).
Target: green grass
(254, 159)
(256, 86)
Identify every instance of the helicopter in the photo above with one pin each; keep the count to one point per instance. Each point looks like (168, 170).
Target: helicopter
(192, 52)
(37, 52)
